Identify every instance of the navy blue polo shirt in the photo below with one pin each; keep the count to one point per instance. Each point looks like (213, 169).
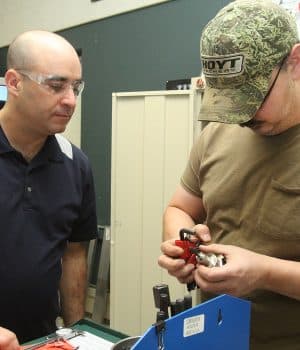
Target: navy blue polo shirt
(43, 205)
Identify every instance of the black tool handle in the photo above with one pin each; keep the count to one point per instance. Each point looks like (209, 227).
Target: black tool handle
(188, 301)
(158, 290)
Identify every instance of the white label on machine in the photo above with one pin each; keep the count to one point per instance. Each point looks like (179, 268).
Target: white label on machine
(193, 325)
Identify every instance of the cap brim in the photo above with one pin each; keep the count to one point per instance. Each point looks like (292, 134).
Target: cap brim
(232, 106)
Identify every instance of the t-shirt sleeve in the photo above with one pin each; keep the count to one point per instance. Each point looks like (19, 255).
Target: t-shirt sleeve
(190, 178)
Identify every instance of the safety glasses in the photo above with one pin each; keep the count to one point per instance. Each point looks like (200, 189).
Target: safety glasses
(55, 84)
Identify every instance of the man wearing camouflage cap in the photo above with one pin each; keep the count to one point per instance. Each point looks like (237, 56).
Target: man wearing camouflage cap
(240, 190)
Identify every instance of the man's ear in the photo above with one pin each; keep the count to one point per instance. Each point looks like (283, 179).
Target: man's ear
(12, 81)
(294, 61)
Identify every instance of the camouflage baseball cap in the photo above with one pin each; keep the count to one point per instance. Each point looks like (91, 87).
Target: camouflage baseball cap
(239, 49)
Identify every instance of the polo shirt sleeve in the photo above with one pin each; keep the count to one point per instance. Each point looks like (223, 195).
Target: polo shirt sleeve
(85, 227)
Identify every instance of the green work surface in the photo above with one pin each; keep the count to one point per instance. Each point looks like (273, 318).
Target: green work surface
(93, 328)
(99, 330)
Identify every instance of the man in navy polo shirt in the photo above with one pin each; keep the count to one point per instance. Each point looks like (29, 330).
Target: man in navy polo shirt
(47, 199)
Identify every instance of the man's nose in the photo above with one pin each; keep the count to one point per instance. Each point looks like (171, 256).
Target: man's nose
(69, 97)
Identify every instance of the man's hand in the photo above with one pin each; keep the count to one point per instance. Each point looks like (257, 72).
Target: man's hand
(8, 340)
(202, 232)
(243, 272)
(170, 260)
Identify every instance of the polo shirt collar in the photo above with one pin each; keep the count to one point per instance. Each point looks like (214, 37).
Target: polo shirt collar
(50, 151)
(5, 147)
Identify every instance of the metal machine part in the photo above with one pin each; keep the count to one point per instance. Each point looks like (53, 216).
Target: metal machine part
(161, 296)
(187, 242)
(210, 259)
(64, 332)
(192, 254)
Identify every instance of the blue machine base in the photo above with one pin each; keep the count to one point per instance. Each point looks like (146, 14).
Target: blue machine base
(222, 323)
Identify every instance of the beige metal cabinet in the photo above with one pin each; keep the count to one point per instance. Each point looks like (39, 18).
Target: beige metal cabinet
(152, 133)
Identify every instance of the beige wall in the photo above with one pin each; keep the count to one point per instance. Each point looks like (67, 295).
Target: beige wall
(73, 130)
(21, 15)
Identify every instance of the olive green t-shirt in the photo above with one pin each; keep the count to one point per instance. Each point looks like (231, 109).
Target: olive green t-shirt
(250, 187)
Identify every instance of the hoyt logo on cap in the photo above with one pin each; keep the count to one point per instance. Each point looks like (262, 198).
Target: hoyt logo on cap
(223, 65)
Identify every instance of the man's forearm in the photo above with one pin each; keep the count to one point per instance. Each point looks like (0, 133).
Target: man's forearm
(73, 284)
(282, 276)
(184, 211)
(174, 220)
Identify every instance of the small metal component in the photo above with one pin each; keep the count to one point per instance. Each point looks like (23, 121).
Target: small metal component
(64, 332)
(161, 316)
(185, 234)
(160, 328)
(209, 259)
(160, 341)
